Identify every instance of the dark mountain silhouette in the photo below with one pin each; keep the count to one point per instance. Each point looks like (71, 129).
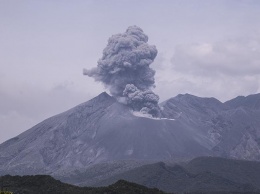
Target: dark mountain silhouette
(204, 174)
(200, 175)
(42, 184)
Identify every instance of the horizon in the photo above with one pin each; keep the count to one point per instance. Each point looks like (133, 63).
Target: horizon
(207, 49)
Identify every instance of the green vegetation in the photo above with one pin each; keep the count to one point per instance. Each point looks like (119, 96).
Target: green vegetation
(6, 192)
(43, 184)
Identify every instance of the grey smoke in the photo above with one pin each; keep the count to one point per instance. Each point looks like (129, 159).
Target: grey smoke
(144, 101)
(125, 70)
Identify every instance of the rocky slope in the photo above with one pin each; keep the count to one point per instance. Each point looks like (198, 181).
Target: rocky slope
(202, 175)
(103, 130)
(231, 128)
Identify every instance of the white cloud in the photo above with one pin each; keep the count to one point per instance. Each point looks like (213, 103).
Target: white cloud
(237, 57)
(26, 104)
(223, 70)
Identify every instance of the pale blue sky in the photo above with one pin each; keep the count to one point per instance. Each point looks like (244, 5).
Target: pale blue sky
(206, 48)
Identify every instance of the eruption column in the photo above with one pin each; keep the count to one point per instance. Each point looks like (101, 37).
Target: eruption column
(125, 70)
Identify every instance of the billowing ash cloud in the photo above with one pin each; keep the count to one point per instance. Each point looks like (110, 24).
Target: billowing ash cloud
(145, 101)
(124, 70)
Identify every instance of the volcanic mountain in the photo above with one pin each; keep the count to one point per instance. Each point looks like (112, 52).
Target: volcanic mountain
(104, 130)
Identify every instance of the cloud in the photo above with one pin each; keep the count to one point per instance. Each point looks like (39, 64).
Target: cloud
(237, 57)
(224, 69)
(25, 104)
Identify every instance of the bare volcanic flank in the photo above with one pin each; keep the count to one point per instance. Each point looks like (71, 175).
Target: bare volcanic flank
(104, 130)
(97, 131)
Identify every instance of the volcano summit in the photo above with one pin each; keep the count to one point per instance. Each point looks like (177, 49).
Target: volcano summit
(125, 70)
(104, 130)
(129, 126)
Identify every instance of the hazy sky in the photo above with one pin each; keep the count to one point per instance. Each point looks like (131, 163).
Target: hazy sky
(206, 48)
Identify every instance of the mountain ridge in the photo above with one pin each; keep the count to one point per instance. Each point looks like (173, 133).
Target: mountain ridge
(251, 101)
(102, 130)
(202, 174)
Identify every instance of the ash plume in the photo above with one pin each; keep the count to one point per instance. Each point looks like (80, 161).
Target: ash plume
(125, 70)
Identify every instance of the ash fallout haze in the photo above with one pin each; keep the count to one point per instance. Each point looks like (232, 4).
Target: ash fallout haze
(204, 48)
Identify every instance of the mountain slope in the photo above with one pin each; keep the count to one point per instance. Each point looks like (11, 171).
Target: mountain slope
(251, 101)
(49, 144)
(204, 174)
(240, 171)
(99, 130)
(231, 128)
(103, 130)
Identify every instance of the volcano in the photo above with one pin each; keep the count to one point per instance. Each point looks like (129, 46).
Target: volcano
(104, 130)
